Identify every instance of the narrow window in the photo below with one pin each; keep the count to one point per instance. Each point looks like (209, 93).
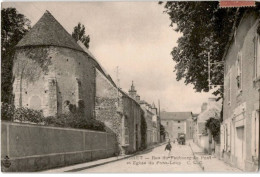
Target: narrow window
(256, 57)
(255, 135)
(239, 71)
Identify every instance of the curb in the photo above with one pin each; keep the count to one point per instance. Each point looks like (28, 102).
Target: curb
(95, 165)
(200, 164)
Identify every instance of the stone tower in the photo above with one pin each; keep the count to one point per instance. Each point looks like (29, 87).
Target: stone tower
(52, 72)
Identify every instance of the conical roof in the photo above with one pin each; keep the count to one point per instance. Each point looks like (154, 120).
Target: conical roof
(48, 32)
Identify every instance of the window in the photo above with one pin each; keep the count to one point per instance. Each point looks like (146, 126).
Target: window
(228, 87)
(167, 123)
(257, 57)
(255, 135)
(239, 71)
(179, 121)
(179, 127)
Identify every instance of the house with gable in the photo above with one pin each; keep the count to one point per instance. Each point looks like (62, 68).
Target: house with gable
(176, 123)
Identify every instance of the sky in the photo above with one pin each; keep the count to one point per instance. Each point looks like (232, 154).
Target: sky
(136, 37)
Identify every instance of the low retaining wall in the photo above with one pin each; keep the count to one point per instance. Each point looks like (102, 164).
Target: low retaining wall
(34, 147)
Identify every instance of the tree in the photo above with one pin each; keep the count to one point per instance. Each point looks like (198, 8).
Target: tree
(14, 27)
(214, 127)
(79, 34)
(205, 29)
(162, 130)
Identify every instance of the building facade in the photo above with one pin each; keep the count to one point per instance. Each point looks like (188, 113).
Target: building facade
(240, 128)
(176, 123)
(151, 118)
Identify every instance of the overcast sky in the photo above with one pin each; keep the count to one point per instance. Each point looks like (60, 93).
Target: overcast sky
(136, 37)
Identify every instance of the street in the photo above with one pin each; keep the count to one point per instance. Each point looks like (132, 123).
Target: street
(154, 160)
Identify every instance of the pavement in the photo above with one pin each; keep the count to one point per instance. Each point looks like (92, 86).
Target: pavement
(210, 163)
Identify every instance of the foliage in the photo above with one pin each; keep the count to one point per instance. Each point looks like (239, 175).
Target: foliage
(72, 120)
(214, 126)
(76, 120)
(7, 111)
(10, 113)
(205, 29)
(79, 34)
(162, 130)
(143, 132)
(28, 115)
(13, 27)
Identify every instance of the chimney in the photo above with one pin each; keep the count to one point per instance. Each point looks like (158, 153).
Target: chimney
(204, 107)
(212, 99)
(154, 109)
(137, 98)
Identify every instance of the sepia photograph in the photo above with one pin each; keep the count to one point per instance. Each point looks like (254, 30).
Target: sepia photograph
(130, 86)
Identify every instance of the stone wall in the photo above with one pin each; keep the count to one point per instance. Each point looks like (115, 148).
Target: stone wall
(133, 112)
(148, 115)
(118, 111)
(189, 129)
(34, 148)
(108, 106)
(51, 76)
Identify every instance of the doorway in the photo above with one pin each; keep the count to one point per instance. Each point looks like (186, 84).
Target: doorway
(240, 147)
(136, 137)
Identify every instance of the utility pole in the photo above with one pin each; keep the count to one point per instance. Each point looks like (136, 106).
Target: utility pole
(159, 107)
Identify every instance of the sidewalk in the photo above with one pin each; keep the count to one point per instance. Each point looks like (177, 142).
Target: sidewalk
(83, 166)
(210, 163)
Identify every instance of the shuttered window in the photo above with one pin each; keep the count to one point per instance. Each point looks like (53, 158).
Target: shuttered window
(255, 134)
(222, 142)
(256, 57)
(228, 87)
(125, 132)
(239, 71)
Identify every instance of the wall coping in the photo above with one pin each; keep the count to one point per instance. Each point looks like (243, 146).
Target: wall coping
(51, 127)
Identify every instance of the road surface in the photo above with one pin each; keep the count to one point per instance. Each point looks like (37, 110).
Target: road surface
(180, 159)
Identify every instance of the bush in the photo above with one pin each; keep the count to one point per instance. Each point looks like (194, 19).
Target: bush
(25, 114)
(10, 113)
(72, 120)
(7, 112)
(75, 121)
